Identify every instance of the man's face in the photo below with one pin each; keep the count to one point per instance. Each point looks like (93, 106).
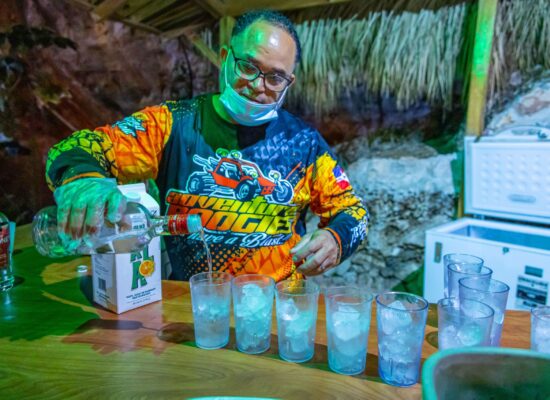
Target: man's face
(270, 49)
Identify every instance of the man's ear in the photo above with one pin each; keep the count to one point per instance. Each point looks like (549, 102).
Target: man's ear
(292, 79)
(224, 51)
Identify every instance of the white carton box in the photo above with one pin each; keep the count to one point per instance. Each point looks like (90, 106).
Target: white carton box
(122, 282)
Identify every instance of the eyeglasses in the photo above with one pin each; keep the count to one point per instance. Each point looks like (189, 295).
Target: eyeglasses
(272, 80)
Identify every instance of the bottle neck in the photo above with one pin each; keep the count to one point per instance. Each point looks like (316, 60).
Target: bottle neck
(176, 224)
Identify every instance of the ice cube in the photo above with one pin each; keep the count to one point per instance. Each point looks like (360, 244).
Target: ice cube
(448, 338)
(395, 318)
(300, 325)
(347, 323)
(287, 310)
(254, 304)
(470, 334)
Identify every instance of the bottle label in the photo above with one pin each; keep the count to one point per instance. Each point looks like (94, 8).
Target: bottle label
(177, 224)
(4, 245)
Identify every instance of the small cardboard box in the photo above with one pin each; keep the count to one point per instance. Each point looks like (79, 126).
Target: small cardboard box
(125, 281)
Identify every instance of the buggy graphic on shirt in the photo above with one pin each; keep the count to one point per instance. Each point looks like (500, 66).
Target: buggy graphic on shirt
(228, 175)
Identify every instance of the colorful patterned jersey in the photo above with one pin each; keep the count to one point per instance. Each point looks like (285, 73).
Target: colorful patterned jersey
(252, 201)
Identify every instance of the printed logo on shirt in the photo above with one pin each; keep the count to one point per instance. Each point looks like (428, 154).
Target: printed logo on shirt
(228, 175)
(239, 205)
(341, 178)
(131, 125)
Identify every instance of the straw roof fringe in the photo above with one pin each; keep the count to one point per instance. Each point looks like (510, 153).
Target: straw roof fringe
(411, 56)
(521, 42)
(411, 50)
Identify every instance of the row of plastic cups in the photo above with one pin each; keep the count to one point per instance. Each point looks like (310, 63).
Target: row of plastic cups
(472, 312)
(401, 319)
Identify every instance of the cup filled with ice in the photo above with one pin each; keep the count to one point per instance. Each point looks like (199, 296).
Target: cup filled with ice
(296, 309)
(491, 292)
(348, 320)
(252, 309)
(463, 323)
(540, 329)
(401, 319)
(211, 300)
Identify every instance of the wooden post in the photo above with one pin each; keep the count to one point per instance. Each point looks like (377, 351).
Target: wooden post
(226, 27)
(479, 75)
(481, 59)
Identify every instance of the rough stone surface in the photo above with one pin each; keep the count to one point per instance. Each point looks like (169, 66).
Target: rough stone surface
(531, 108)
(407, 188)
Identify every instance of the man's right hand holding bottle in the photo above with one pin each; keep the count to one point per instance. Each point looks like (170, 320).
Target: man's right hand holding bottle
(84, 204)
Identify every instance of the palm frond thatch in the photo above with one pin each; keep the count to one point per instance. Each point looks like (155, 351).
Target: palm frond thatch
(411, 56)
(521, 42)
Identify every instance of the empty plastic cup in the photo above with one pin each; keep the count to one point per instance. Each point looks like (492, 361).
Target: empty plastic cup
(455, 272)
(462, 262)
(211, 300)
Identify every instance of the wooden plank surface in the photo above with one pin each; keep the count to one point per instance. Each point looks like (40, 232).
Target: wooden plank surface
(55, 343)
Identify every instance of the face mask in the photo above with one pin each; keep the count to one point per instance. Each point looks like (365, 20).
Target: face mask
(247, 112)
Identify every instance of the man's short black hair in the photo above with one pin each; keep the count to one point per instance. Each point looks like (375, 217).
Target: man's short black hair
(273, 18)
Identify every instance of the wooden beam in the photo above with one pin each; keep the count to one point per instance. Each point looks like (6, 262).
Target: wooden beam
(203, 48)
(479, 76)
(213, 7)
(182, 11)
(190, 33)
(108, 7)
(226, 27)
(481, 60)
(132, 7)
(238, 7)
(150, 9)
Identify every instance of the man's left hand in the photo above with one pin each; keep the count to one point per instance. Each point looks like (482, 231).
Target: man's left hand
(318, 251)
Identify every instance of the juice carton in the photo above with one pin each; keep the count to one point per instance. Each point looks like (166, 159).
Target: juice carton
(122, 282)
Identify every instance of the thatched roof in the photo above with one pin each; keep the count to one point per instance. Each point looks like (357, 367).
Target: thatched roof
(170, 16)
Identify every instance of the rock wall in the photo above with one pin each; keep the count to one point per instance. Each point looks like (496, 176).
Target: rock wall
(407, 188)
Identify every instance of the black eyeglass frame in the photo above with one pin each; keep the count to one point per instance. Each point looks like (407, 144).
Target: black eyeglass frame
(258, 73)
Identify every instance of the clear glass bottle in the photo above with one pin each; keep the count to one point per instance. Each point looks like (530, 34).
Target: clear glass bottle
(132, 233)
(6, 274)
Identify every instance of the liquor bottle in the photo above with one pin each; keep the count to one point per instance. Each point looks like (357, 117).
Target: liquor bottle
(132, 233)
(6, 275)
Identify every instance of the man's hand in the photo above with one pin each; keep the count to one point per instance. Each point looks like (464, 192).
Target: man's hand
(318, 251)
(83, 204)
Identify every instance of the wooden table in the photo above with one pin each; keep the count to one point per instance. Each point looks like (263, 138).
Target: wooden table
(55, 343)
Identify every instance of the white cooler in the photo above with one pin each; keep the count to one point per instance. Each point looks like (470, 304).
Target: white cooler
(507, 190)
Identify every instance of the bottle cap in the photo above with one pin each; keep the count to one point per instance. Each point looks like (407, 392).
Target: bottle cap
(194, 223)
(181, 224)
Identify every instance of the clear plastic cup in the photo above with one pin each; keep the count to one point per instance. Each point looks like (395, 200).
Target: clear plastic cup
(252, 308)
(455, 272)
(211, 300)
(463, 323)
(540, 329)
(462, 262)
(491, 292)
(348, 322)
(401, 320)
(296, 303)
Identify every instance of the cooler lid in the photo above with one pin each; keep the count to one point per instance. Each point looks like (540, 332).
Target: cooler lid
(507, 174)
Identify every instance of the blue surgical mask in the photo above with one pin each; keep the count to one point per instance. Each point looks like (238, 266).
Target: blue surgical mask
(244, 111)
